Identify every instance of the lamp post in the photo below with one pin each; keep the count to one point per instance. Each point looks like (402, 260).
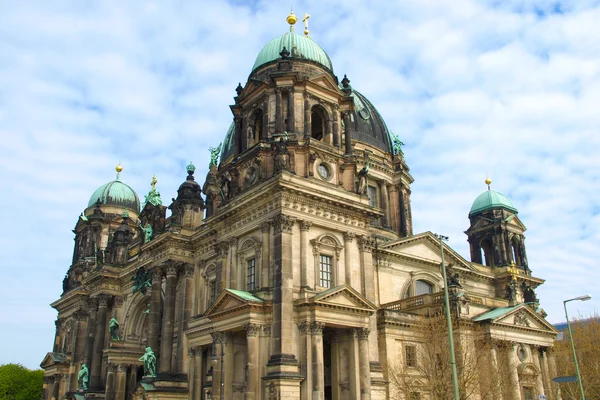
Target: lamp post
(219, 337)
(448, 318)
(582, 298)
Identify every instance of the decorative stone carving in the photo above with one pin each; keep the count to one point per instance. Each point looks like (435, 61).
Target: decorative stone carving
(363, 333)
(304, 327)
(112, 367)
(366, 244)
(157, 274)
(103, 300)
(265, 227)
(316, 328)
(118, 301)
(252, 329)
(188, 270)
(221, 249)
(283, 223)
(521, 319)
(267, 330)
(92, 304)
(80, 315)
(305, 225)
(281, 156)
(349, 236)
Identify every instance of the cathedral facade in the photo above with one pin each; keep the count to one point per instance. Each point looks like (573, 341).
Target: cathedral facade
(292, 271)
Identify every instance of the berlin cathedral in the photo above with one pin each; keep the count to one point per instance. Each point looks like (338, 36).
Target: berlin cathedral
(292, 271)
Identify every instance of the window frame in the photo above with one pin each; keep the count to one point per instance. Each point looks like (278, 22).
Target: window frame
(326, 282)
(251, 265)
(327, 245)
(410, 355)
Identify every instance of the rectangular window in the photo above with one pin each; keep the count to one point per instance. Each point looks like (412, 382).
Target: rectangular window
(410, 353)
(325, 271)
(212, 291)
(251, 275)
(372, 193)
(527, 393)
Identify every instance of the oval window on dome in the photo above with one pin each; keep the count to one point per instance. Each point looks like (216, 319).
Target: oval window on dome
(364, 113)
(324, 171)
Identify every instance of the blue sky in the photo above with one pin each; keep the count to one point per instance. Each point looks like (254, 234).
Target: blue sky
(508, 89)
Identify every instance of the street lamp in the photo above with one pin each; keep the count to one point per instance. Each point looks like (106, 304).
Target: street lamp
(448, 318)
(219, 337)
(582, 298)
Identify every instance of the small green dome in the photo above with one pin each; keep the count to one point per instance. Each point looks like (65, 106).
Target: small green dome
(491, 199)
(299, 47)
(118, 194)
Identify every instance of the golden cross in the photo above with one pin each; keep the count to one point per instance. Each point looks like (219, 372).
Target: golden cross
(154, 182)
(305, 20)
(513, 271)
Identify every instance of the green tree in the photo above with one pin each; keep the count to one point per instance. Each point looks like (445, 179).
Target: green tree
(20, 383)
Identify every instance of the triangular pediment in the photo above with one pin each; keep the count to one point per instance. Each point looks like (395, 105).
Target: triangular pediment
(52, 359)
(232, 299)
(326, 82)
(426, 247)
(344, 297)
(519, 316)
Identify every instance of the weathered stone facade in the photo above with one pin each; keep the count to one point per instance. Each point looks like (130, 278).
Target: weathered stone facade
(298, 277)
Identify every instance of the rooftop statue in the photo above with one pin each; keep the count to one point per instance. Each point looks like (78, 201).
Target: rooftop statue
(153, 196)
(142, 280)
(214, 154)
(397, 145)
(148, 232)
(113, 328)
(362, 180)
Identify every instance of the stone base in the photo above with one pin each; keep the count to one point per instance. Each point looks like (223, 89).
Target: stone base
(161, 388)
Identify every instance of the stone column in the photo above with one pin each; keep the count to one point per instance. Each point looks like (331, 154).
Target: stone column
(96, 370)
(132, 379)
(184, 315)
(336, 126)
(306, 360)
(539, 383)
(56, 387)
(154, 315)
(555, 387)
(110, 382)
(366, 245)
(234, 278)
(494, 387)
(364, 365)
(306, 114)
(196, 353)
(354, 369)
(264, 133)
(79, 339)
(265, 280)
(291, 125)
(546, 373)
(220, 340)
(57, 327)
(237, 120)
(318, 367)
(347, 132)
(348, 238)
(121, 382)
(515, 387)
(283, 366)
(278, 111)
(304, 228)
(403, 226)
(166, 339)
(89, 332)
(222, 271)
(253, 366)
(384, 204)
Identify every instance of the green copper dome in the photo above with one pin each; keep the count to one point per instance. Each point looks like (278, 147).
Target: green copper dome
(299, 47)
(117, 194)
(489, 200)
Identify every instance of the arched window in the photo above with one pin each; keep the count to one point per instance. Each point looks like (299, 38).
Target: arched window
(486, 246)
(317, 123)
(515, 250)
(421, 287)
(254, 129)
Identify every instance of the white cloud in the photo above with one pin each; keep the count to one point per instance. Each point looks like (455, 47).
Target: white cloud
(505, 88)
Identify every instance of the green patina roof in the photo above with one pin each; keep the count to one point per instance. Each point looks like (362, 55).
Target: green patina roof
(491, 199)
(496, 313)
(245, 295)
(299, 47)
(118, 194)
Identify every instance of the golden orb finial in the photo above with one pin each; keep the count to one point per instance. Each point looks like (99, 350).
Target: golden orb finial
(488, 181)
(119, 168)
(291, 19)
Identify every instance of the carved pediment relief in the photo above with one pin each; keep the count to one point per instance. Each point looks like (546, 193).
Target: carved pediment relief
(230, 300)
(342, 297)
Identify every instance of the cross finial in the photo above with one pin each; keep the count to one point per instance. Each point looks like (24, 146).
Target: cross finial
(305, 20)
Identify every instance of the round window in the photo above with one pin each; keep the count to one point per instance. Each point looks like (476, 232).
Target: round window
(522, 353)
(324, 171)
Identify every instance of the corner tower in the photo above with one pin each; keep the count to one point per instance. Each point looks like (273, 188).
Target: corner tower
(496, 234)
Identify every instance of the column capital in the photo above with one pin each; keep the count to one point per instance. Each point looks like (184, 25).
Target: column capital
(92, 304)
(188, 270)
(305, 225)
(220, 337)
(316, 328)
(233, 241)
(265, 227)
(283, 223)
(112, 367)
(118, 301)
(252, 329)
(304, 327)
(362, 333)
(157, 273)
(171, 268)
(266, 330)
(122, 368)
(59, 323)
(221, 248)
(349, 236)
(366, 244)
(103, 300)
(80, 315)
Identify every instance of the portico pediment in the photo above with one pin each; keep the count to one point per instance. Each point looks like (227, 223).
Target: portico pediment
(341, 297)
(52, 359)
(518, 316)
(230, 301)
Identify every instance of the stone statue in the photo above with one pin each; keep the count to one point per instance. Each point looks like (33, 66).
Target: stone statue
(454, 280)
(65, 283)
(148, 232)
(282, 156)
(528, 293)
(83, 378)
(113, 328)
(362, 180)
(149, 360)
(226, 185)
(397, 145)
(511, 291)
(214, 154)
